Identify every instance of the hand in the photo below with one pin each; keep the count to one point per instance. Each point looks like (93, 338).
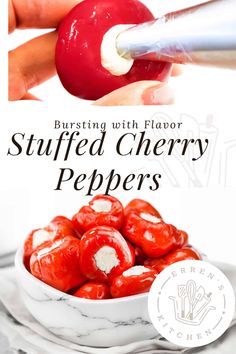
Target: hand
(33, 62)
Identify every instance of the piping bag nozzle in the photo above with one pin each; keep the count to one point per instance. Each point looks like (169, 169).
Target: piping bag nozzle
(204, 34)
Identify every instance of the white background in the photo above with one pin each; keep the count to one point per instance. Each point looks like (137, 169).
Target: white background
(207, 213)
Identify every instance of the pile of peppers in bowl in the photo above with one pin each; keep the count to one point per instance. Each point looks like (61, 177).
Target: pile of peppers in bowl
(106, 250)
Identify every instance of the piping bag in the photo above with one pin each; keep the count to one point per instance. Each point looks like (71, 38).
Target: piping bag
(204, 34)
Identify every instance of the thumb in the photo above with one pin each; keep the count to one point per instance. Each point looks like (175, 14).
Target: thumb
(139, 93)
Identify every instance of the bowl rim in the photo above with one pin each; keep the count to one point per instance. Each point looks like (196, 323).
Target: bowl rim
(19, 265)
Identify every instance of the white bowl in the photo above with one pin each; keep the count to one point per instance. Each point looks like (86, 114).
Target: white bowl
(98, 323)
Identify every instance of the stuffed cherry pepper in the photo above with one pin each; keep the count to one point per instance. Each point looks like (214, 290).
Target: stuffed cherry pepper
(151, 233)
(143, 206)
(87, 60)
(181, 238)
(181, 254)
(101, 210)
(93, 291)
(104, 254)
(139, 255)
(135, 280)
(63, 226)
(56, 263)
(34, 240)
(59, 226)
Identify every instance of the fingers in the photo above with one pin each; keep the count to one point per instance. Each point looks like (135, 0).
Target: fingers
(31, 97)
(12, 23)
(31, 64)
(38, 13)
(139, 93)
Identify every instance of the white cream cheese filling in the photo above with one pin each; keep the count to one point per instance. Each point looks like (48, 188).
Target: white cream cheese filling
(101, 206)
(106, 259)
(110, 58)
(41, 236)
(149, 236)
(136, 270)
(151, 218)
(45, 250)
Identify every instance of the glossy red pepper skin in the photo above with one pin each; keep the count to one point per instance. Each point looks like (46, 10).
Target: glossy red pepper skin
(59, 226)
(141, 206)
(185, 253)
(63, 226)
(93, 291)
(185, 238)
(139, 256)
(131, 285)
(29, 247)
(155, 239)
(182, 254)
(132, 250)
(156, 263)
(87, 217)
(56, 263)
(181, 238)
(78, 50)
(92, 241)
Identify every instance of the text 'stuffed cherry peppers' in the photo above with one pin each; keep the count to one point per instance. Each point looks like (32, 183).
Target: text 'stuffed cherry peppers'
(151, 233)
(102, 210)
(104, 254)
(135, 280)
(57, 263)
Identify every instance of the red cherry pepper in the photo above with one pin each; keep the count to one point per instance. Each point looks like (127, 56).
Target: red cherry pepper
(181, 239)
(182, 254)
(102, 210)
(56, 263)
(155, 237)
(139, 256)
(184, 236)
(185, 253)
(93, 291)
(34, 240)
(78, 50)
(130, 284)
(132, 250)
(156, 263)
(142, 206)
(59, 226)
(63, 226)
(104, 254)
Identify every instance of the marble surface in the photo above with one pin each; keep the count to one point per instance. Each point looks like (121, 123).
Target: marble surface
(26, 335)
(94, 323)
(4, 345)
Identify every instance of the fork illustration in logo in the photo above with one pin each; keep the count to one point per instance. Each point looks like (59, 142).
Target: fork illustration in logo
(192, 304)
